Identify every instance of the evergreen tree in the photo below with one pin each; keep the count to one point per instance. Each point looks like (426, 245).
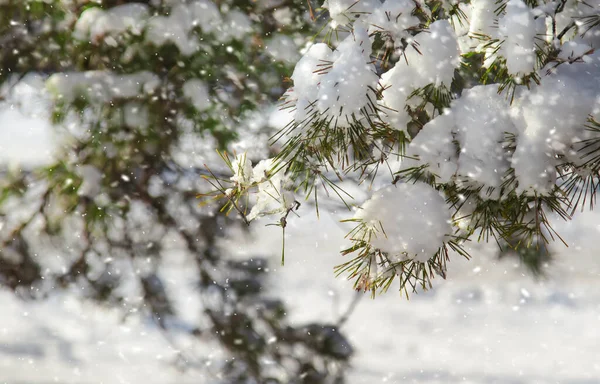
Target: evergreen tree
(135, 89)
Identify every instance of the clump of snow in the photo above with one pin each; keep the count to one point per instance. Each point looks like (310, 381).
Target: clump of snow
(305, 76)
(242, 170)
(483, 120)
(438, 57)
(513, 33)
(205, 14)
(136, 115)
(88, 18)
(274, 190)
(235, 26)
(397, 87)
(574, 49)
(282, 48)
(434, 147)
(518, 28)
(197, 92)
(26, 137)
(393, 18)
(483, 18)
(344, 12)
(408, 221)
(283, 15)
(101, 86)
(341, 82)
(173, 28)
(345, 90)
(95, 23)
(306, 80)
(434, 63)
(176, 28)
(547, 122)
(91, 180)
(552, 120)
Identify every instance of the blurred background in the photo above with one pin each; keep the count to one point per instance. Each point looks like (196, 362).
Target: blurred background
(112, 272)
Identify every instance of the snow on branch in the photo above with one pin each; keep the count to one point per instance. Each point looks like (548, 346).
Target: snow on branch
(484, 115)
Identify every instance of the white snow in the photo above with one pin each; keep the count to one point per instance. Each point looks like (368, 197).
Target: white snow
(26, 138)
(346, 88)
(434, 63)
(205, 14)
(271, 192)
(345, 12)
(434, 147)
(482, 123)
(282, 48)
(305, 76)
(136, 115)
(438, 57)
(101, 86)
(547, 122)
(103, 26)
(476, 327)
(518, 28)
(95, 24)
(91, 180)
(235, 26)
(197, 92)
(482, 17)
(397, 87)
(274, 195)
(553, 119)
(415, 228)
(24, 141)
(172, 29)
(393, 17)
(242, 170)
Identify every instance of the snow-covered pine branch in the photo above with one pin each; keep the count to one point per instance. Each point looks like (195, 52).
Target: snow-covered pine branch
(484, 113)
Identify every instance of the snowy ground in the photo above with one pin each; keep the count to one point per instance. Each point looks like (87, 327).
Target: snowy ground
(487, 324)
